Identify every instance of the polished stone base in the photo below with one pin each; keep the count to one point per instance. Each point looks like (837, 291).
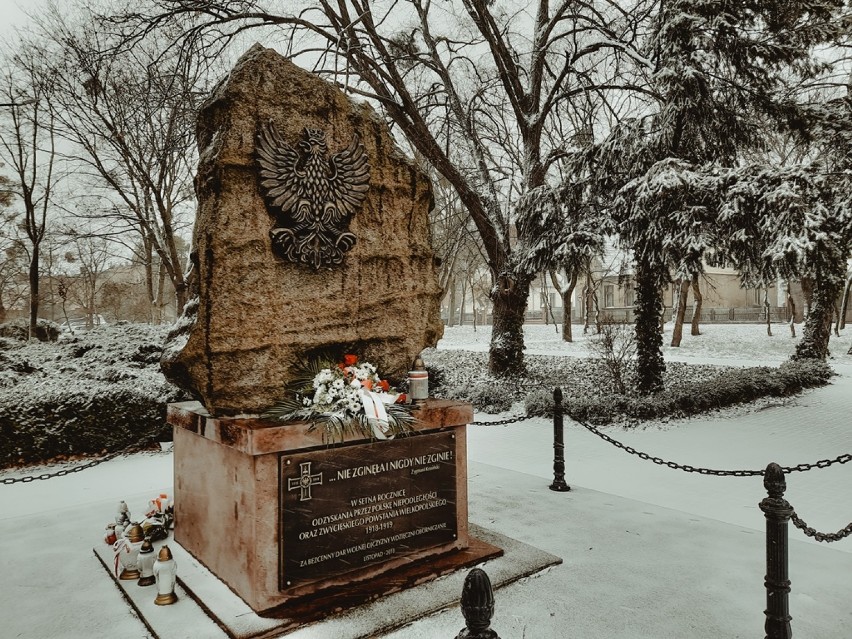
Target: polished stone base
(206, 607)
(234, 506)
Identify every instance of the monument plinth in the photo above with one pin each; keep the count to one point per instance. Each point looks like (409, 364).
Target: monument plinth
(279, 515)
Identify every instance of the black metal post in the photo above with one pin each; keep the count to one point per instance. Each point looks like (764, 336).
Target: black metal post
(778, 512)
(558, 445)
(477, 605)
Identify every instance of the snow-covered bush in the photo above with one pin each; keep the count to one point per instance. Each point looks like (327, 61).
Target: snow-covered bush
(688, 389)
(615, 344)
(19, 329)
(102, 390)
(539, 403)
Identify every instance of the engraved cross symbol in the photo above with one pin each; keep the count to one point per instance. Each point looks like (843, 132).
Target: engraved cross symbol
(304, 481)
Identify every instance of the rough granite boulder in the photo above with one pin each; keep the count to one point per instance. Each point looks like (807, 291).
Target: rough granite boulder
(256, 313)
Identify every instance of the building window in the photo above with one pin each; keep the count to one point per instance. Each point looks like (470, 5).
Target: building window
(628, 296)
(609, 296)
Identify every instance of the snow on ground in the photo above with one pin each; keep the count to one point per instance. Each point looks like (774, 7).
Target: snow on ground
(744, 342)
(54, 587)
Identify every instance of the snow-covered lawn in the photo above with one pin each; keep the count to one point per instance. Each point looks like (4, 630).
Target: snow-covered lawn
(717, 342)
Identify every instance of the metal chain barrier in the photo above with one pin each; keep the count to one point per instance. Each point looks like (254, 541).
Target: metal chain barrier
(819, 536)
(823, 463)
(502, 422)
(76, 469)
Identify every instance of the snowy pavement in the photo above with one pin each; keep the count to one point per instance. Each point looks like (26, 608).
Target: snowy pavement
(649, 552)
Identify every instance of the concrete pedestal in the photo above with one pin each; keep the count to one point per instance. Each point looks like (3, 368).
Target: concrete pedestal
(231, 481)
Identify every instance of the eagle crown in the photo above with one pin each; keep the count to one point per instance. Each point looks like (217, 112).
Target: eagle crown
(315, 142)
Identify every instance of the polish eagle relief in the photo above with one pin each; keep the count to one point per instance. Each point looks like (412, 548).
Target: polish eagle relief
(311, 196)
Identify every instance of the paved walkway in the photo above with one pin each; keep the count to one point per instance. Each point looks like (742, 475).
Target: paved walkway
(804, 429)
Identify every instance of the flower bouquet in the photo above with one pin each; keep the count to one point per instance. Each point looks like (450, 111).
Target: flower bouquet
(344, 397)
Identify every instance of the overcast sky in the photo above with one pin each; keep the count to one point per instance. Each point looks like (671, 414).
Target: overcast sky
(13, 13)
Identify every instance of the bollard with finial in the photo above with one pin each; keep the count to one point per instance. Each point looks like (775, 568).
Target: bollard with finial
(477, 605)
(558, 484)
(778, 512)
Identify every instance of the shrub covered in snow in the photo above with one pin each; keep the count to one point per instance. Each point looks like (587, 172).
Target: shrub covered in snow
(102, 390)
(19, 329)
(589, 395)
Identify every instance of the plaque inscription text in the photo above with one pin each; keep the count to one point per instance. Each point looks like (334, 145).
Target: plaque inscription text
(350, 507)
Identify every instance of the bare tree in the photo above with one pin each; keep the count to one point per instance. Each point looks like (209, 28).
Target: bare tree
(28, 147)
(453, 78)
(131, 117)
(91, 256)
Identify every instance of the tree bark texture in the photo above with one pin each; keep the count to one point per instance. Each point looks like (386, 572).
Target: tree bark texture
(766, 309)
(567, 294)
(696, 307)
(509, 297)
(34, 292)
(677, 332)
(844, 305)
(791, 306)
(649, 341)
(817, 330)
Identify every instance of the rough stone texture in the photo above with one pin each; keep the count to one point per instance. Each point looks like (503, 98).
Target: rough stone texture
(255, 313)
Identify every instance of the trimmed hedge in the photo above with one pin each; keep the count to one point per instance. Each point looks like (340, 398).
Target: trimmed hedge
(100, 391)
(80, 416)
(735, 386)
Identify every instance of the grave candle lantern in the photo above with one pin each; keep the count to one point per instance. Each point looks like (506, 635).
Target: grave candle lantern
(418, 381)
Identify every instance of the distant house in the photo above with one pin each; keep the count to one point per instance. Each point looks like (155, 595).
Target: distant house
(724, 298)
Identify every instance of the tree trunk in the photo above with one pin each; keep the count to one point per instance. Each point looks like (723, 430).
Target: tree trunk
(649, 341)
(791, 308)
(451, 314)
(587, 305)
(817, 330)
(463, 302)
(509, 297)
(567, 293)
(677, 332)
(836, 320)
(34, 293)
(845, 304)
(767, 311)
(808, 293)
(696, 307)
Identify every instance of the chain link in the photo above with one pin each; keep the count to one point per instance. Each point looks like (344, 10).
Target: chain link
(502, 422)
(76, 469)
(819, 536)
(823, 463)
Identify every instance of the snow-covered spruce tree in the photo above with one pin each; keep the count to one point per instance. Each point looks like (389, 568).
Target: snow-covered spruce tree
(714, 70)
(667, 220)
(793, 223)
(833, 137)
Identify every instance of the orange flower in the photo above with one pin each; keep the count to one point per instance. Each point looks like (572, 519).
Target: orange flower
(401, 399)
(350, 360)
(367, 384)
(383, 384)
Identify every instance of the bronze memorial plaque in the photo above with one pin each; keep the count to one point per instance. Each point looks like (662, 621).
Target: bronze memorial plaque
(349, 507)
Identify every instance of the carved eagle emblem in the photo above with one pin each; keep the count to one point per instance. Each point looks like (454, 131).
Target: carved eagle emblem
(312, 197)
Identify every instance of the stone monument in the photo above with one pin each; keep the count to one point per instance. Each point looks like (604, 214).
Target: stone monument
(311, 237)
(312, 233)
